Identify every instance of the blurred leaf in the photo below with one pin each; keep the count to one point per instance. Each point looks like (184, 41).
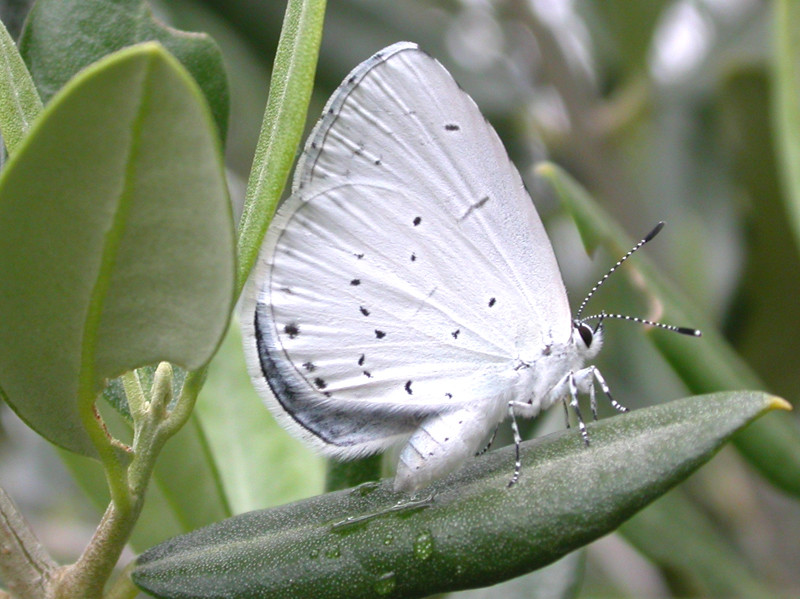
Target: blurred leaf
(61, 37)
(628, 29)
(763, 324)
(686, 541)
(116, 240)
(786, 103)
(261, 465)
(19, 101)
(707, 364)
(370, 541)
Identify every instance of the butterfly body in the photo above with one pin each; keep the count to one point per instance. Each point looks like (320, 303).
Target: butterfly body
(407, 292)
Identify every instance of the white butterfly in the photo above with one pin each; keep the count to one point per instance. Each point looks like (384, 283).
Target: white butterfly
(407, 291)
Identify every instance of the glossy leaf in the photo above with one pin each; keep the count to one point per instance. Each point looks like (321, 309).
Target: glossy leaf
(116, 239)
(370, 541)
(61, 37)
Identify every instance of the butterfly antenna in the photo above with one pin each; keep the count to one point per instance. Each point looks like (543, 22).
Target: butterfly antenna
(660, 325)
(619, 263)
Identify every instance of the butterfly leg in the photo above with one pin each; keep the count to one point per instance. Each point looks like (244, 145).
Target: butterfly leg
(573, 381)
(604, 386)
(489, 443)
(517, 442)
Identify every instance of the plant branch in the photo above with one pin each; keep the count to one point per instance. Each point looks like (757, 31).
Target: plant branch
(25, 566)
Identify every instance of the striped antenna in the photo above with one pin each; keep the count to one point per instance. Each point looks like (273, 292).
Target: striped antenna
(619, 263)
(660, 325)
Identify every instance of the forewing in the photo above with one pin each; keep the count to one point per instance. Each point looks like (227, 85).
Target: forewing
(409, 269)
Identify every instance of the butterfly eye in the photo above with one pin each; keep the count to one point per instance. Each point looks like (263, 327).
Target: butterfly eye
(586, 334)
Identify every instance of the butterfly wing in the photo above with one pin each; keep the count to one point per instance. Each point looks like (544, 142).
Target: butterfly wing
(408, 271)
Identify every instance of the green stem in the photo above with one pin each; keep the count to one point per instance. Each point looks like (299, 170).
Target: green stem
(87, 576)
(284, 121)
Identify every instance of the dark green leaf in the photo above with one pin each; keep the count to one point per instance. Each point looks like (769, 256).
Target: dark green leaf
(466, 531)
(61, 37)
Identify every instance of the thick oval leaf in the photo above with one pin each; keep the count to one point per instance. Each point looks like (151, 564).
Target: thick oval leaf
(116, 238)
(61, 37)
(19, 101)
(466, 531)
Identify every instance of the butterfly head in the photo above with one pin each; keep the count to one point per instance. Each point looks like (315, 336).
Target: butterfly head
(588, 340)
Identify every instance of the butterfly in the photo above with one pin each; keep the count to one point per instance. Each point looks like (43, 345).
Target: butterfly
(407, 292)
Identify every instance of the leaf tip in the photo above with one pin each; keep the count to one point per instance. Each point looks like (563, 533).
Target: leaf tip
(778, 403)
(545, 169)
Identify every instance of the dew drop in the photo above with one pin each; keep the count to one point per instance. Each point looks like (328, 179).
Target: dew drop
(385, 583)
(423, 545)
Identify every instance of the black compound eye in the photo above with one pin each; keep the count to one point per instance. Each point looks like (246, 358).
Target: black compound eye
(586, 334)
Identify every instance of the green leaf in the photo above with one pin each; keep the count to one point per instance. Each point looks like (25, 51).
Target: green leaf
(116, 240)
(705, 365)
(19, 101)
(786, 103)
(763, 324)
(61, 37)
(678, 536)
(628, 28)
(284, 121)
(370, 541)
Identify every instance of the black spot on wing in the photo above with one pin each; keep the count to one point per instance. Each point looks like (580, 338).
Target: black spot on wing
(408, 387)
(417, 220)
(320, 383)
(309, 366)
(361, 360)
(456, 333)
(492, 301)
(292, 330)
(355, 282)
(380, 334)
(451, 127)
(364, 311)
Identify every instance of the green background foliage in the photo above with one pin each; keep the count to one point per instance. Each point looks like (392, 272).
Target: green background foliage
(675, 110)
